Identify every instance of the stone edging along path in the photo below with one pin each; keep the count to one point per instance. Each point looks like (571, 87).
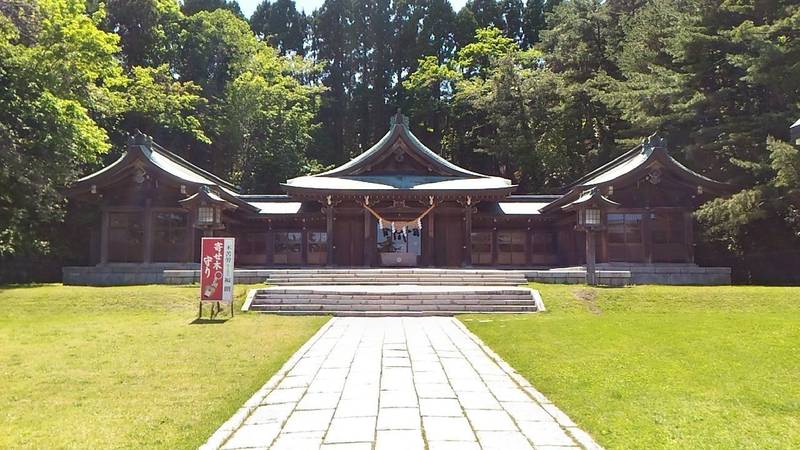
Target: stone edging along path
(382, 383)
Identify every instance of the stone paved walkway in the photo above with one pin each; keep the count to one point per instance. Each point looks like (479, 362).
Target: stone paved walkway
(398, 383)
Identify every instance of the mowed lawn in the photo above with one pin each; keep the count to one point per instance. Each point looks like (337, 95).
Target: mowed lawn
(125, 367)
(652, 367)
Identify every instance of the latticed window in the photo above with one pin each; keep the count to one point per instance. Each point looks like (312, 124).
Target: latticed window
(624, 236)
(205, 215)
(481, 247)
(317, 247)
(170, 236)
(591, 216)
(288, 248)
(511, 248)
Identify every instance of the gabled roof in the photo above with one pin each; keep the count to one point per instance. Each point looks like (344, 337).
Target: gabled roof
(143, 149)
(204, 196)
(633, 163)
(144, 153)
(368, 171)
(589, 198)
(398, 130)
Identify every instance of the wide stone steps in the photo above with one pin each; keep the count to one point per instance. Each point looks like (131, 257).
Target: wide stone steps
(391, 281)
(397, 300)
(428, 277)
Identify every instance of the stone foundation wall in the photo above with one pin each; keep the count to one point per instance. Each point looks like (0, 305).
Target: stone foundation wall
(607, 274)
(674, 274)
(577, 276)
(120, 274)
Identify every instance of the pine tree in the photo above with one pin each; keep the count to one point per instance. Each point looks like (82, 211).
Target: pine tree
(533, 22)
(281, 25)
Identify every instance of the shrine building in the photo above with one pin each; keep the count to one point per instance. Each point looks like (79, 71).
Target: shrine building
(398, 204)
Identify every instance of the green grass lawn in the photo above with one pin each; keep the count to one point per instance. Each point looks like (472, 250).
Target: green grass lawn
(125, 367)
(651, 367)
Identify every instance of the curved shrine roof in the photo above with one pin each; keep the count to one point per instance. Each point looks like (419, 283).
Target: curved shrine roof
(399, 162)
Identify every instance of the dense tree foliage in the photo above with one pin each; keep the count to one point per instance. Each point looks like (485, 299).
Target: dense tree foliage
(538, 91)
(75, 78)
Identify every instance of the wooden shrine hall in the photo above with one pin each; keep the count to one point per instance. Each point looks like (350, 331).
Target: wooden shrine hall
(397, 204)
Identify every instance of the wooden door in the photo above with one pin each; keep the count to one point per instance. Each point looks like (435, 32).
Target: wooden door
(449, 241)
(625, 237)
(348, 238)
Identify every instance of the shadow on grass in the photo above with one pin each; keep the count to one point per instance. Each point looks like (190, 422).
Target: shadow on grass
(201, 321)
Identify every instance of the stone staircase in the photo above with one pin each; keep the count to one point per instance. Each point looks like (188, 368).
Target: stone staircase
(394, 292)
(424, 277)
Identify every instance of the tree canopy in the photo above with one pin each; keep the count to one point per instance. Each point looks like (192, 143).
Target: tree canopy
(539, 91)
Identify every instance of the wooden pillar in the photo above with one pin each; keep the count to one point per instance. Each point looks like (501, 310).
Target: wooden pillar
(369, 243)
(494, 242)
(270, 245)
(148, 232)
(467, 255)
(591, 275)
(329, 233)
(190, 230)
(430, 251)
(304, 243)
(104, 237)
(529, 246)
(647, 238)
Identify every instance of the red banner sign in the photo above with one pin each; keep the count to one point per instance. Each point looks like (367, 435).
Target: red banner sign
(216, 270)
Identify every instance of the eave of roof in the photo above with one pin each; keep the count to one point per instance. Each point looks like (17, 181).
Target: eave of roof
(521, 208)
(277, 208)
(397, 182)
(590, 197)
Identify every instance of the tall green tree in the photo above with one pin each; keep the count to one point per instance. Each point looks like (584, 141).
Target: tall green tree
(533, 22)
(504, 110)
(281, 25)
(56, 83)
(191, 7)
(512, 12)
(577, 45)
(266, 122)
(148, 30)
(333, 46)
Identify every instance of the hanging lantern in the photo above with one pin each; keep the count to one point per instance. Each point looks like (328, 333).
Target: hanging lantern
(208, 207)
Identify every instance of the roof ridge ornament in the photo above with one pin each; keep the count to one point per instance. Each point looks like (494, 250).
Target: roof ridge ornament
(654, 141)
(398, 119)
(139, 138)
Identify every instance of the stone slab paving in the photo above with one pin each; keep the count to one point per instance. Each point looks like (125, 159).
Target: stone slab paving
(398, 383)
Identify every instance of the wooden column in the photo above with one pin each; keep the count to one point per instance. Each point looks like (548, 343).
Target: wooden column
(103, 237)
(369, 243)
(148, 232)
(270, 245)
(190, 230)
(430, 251)
(529, 245)
(494, 242)
(304, 243)
(329, 233)
(467, 256)
(591, 276)
(647, 238)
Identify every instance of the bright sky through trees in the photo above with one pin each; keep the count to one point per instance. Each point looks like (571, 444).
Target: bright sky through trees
(248, 6)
